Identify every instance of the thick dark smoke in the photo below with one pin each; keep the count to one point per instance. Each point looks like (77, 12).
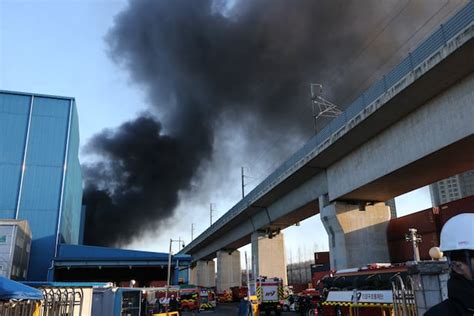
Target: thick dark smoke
(137, 181)
(203, 62)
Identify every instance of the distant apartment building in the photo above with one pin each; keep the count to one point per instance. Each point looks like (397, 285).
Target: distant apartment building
(40, 174)
(452, 188)
(393, 208)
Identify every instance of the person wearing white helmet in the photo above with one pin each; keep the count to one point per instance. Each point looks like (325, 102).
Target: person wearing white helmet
(457, 243)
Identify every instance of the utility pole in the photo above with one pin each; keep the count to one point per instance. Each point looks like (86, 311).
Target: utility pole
(169, 271)
(248, 275)
(243, 184)
(168, 281)
(192, 231)
(211, 210)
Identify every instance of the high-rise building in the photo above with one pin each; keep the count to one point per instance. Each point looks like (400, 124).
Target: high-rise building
(40, 174)
(393, 208)
(452, 188)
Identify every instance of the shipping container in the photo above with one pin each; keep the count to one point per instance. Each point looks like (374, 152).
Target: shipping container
(402, 250)
(424, 222)
(321, 257)
(448, 210)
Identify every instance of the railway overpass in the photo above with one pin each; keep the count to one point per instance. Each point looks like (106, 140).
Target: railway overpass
(409, 129)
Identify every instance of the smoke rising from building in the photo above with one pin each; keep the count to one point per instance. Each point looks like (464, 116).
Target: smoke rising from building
(204, 62)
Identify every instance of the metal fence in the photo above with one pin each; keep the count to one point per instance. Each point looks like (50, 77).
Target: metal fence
(18, 308)
(62, 302)
(404, 303)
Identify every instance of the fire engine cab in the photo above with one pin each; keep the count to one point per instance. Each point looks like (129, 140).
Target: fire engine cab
(270, 295)
(361, 291)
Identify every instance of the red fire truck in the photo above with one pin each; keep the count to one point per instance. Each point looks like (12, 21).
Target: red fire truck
(363, 291)
(196, 298)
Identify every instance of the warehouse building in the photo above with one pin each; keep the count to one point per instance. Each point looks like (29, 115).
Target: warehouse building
(40, 172)
(41, 192)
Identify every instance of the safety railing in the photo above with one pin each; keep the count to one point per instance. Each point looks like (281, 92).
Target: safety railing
(19, 308)
(404, 303)
(62, 301)
(444, 36)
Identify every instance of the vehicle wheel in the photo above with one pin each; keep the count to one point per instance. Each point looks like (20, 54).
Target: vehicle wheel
(286, 308)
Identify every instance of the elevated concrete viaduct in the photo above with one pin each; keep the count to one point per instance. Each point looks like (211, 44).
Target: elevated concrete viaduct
(413, 127)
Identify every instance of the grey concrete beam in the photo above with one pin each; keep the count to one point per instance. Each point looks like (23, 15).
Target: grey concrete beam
(441, 122)
(305, 194)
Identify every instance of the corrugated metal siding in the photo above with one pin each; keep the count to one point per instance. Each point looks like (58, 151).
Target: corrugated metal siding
(14, 111)
(71, 216)
(42, 180)
(48, 132)
(42, 251)
(43, 177)
(41, 190)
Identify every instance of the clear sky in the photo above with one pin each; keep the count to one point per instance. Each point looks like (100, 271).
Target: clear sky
(57, 47)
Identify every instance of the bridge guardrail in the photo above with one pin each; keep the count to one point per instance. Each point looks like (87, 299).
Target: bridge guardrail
(436, 41)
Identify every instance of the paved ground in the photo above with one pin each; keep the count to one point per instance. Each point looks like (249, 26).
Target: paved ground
(227, 309)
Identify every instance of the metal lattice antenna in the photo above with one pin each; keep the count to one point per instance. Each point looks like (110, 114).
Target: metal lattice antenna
(321, 106)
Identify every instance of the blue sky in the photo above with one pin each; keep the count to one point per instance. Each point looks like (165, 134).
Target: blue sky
(58, 47)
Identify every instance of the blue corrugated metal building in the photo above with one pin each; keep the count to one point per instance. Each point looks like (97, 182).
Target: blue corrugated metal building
(40, 174)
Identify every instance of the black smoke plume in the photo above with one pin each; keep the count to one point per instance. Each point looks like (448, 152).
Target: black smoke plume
(203, 62)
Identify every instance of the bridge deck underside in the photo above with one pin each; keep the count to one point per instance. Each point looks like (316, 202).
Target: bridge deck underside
(453, 159)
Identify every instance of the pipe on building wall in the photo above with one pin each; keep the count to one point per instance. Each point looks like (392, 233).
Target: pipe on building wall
(25, 152)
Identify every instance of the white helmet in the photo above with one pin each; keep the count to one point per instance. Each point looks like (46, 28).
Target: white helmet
(458, 233)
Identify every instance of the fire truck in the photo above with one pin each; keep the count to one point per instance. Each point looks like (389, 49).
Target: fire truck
(270, 295)
(360, 291)
(189, 299)
(225, 297)
(207, 299)
(195, 299)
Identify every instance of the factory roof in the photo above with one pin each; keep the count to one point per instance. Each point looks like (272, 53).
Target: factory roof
(92, 255)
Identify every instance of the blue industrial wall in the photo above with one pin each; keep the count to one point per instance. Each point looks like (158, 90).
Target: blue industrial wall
(14, 112)
(72, 209)
(34, 134)
(41, 192)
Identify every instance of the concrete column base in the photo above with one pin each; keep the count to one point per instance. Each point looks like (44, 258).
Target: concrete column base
(430, 280)
(203, 274)
(268, 256)
(356, 237)
(229, 272)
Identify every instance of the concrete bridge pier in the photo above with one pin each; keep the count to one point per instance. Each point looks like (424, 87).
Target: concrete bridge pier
(268, 255)
(203, 274)
(229, 271)
(357, 233)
